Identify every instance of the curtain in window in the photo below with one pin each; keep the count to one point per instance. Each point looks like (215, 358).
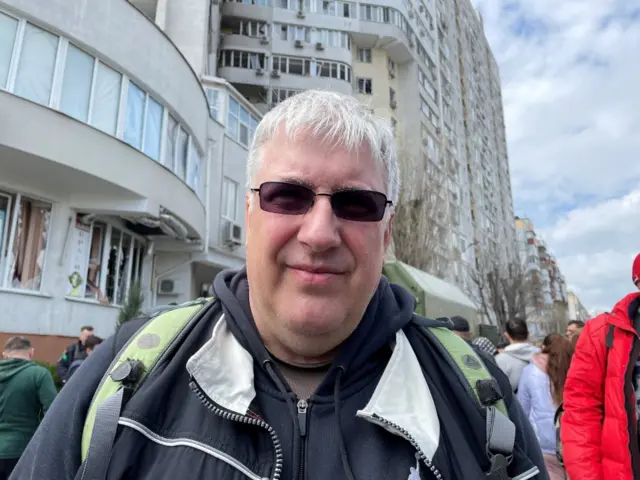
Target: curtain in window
(8, 28)
(183, 150)
(76, 84)
(30, 245)
(170, 147)
(152, 133)
(37, 61)
(106, 99)
(135, 116)
(192, 165)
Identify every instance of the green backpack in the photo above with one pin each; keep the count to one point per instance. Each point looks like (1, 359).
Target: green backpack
(147, 347)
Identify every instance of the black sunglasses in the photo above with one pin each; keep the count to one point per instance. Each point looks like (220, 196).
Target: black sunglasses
(293, 199)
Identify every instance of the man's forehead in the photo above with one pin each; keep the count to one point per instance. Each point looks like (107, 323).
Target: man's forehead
(311, 162)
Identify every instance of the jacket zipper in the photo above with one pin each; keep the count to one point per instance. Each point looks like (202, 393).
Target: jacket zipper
(413, 442)
(236, 417)
(303, 407)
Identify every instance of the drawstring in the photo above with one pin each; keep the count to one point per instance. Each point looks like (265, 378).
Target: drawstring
(343, 450)
(336, 398)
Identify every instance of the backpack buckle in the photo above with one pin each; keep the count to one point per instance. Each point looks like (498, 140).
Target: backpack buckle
(489, 392)
(498, 470)
(128, 373)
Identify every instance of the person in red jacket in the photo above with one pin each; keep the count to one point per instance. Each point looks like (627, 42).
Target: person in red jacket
(599, 430)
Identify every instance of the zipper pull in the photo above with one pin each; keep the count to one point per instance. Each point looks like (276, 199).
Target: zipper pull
(302, 416)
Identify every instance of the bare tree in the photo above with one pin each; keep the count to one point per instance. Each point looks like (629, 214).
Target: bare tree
(422, 213)
(502, 290)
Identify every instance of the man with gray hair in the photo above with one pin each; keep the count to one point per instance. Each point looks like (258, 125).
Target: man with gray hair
(309, 364)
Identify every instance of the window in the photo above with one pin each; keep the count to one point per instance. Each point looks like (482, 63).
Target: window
(182, 153)
(106, 99)
(364, 86)
(394, 125)
(213, 96)
(24, 226)
(37, 60)
(153, 129)
(238, 59)
(106, 261)
(364, 55)
(240, 123)
(392, 97)
(135, 116)
(170, 142)
(195, 167)
(76, 84)
(8, 29)
(229, 199)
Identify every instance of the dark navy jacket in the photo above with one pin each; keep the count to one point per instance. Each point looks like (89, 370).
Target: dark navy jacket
(390, 407)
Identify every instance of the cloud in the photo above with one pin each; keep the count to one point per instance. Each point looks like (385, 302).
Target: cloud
(572, 111)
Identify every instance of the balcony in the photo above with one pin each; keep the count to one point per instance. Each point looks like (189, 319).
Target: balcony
(105, 140)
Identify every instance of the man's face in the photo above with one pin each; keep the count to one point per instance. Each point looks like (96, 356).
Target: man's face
(84, 334)
(463, 335)
(288, 300)
(572, 331)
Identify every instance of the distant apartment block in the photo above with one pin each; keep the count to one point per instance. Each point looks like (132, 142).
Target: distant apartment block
(577, 311)
(547, 308)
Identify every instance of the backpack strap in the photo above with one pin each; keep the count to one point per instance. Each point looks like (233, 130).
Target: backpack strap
(483, 388)
(134, 362)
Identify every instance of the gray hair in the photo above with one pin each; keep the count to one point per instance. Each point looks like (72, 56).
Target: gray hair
(331, 117)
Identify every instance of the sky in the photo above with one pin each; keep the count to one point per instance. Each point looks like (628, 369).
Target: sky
(570, 74)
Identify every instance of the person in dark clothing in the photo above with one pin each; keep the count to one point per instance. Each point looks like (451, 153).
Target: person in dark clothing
(72, 352)
(89, 345)
(26, 393)
(309, 365)
(461, 327)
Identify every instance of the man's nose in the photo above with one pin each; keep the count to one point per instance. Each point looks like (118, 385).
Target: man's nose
(320, 226)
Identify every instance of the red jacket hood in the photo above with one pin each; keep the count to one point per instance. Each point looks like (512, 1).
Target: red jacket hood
(624, 311)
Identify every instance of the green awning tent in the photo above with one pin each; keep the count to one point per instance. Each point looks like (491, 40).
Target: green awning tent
(435, 297)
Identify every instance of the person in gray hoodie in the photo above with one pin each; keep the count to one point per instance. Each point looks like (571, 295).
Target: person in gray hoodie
(518, 353)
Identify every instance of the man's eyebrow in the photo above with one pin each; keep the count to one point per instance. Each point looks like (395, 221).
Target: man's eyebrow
(297, 181)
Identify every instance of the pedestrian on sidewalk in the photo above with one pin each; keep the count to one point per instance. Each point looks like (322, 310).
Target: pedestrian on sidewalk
(540, 392)
(26, 393)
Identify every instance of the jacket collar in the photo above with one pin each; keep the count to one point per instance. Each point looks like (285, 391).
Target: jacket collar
(401, 402)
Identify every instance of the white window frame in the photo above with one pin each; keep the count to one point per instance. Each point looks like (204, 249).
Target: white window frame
(226, 184)
(365, 55)
(106, 248)
(15, 200)
(363, 90)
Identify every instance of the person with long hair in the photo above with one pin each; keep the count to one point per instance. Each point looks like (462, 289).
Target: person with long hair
(540, 393)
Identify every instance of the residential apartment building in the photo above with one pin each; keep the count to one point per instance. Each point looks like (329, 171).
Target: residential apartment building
(577, 311)
(425, 65)
(114, 169)
(548, 308)
(138, 171)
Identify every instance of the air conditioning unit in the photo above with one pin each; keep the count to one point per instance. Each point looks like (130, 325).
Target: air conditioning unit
(319, 46)
(393, 104)
(231, 233)
(167, 287)
(300, 14)
(259, 72)
(264, 40)
(392, 74)
(299, 44)
(275, 74)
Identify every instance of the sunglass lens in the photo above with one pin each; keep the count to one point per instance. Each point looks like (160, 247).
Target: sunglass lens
(285, 198)
(359, 205)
